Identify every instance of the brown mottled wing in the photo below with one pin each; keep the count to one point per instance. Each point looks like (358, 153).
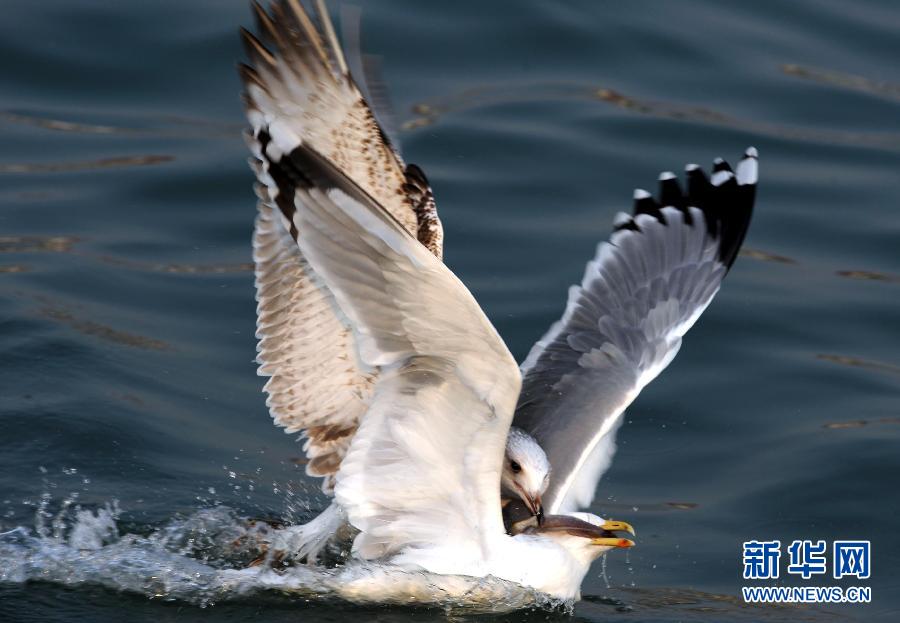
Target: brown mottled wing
(316, 385)
(298, 92)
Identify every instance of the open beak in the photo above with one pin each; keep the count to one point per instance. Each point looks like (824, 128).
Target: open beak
(611, 540)
(618, 526)
(603, 535)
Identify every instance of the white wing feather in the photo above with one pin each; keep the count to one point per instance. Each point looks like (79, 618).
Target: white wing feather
(424, 467)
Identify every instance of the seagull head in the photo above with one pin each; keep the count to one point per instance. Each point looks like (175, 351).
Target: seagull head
(584, 535)
(526, 471)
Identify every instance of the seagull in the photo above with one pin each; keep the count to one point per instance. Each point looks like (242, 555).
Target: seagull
(526, 472)
(382, 358)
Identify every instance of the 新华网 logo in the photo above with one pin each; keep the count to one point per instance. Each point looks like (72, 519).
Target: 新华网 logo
(807, 559)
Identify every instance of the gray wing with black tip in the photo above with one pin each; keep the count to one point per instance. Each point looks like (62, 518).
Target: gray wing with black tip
(623, 325)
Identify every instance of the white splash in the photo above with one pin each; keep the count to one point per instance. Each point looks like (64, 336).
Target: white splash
(203, 559)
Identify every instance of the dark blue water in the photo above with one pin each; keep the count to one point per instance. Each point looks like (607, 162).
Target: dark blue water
(127, 315)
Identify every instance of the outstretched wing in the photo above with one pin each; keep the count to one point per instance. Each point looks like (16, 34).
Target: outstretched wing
(424, 467)
(299, 92)
(623, 325)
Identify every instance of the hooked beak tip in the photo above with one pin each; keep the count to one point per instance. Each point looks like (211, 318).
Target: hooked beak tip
(537, 508)
(611, 526)
(533, 502)
(614, 526)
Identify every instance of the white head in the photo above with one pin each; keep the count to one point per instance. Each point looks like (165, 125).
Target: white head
(526, 470)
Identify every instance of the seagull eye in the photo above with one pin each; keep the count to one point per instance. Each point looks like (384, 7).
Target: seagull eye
(515, 467)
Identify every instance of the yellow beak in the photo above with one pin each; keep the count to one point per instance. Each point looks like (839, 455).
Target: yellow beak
(618, 526)
(613, 542)
(615, 526)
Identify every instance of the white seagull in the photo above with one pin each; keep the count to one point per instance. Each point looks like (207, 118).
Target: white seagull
(403, 389)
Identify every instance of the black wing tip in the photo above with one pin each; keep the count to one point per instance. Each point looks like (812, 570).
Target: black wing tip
(726, 199)
(644, 203)
(415, 176)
